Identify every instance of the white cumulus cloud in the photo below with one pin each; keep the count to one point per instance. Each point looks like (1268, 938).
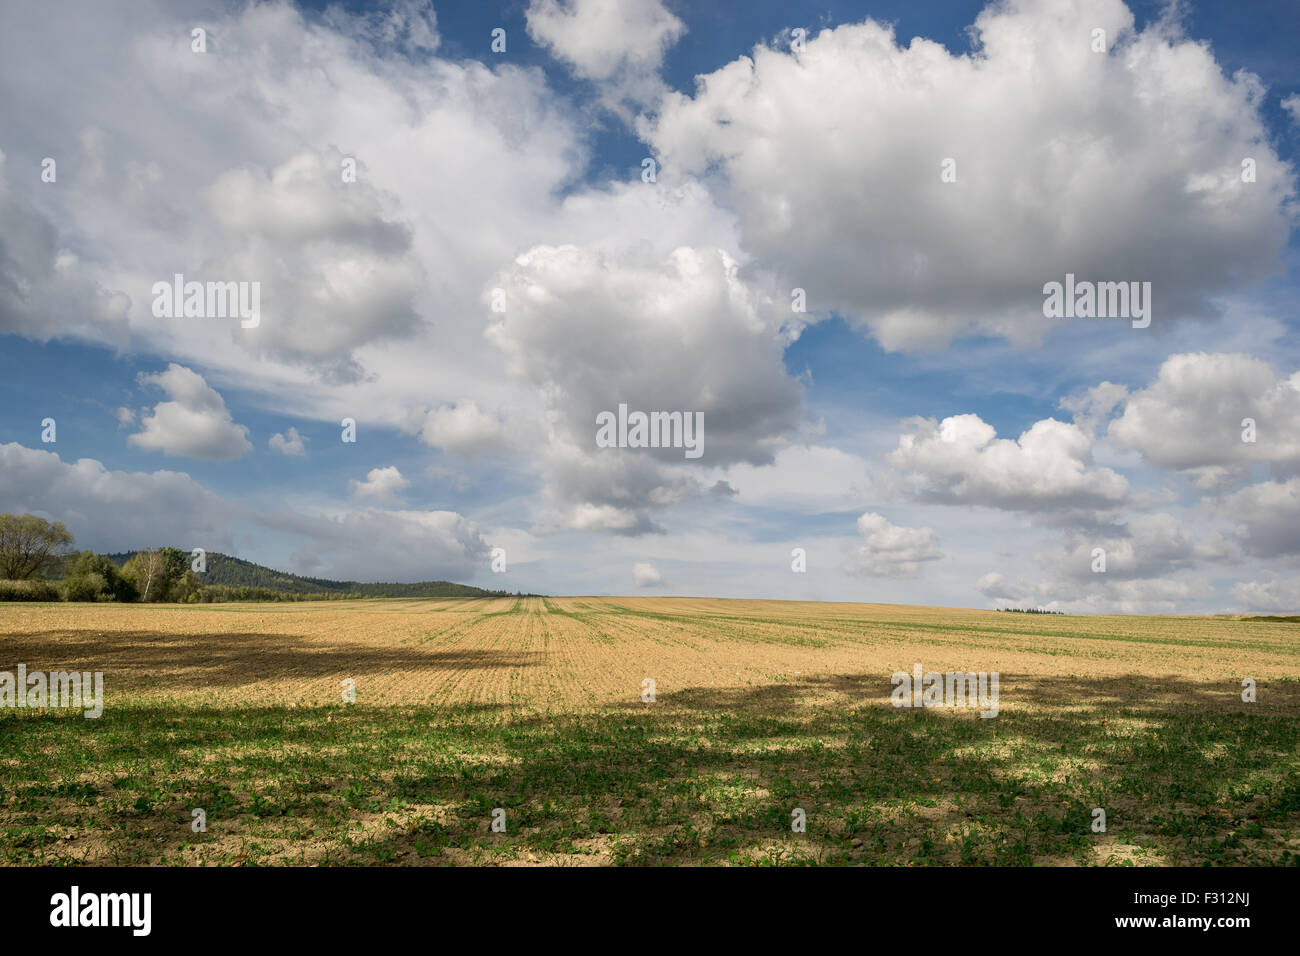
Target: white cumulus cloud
(646, 576)
(194, 422)
(889, 550)
(1192, 417)
(381, 485)
(289, 443)
(1123, 165)
(588, 331)
(462, 429)
(619, 43)
(1047, 471)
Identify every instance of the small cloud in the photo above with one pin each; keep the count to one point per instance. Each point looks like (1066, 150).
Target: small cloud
(619, 45)
(194, 423)
(125, 417)
(891, 551)
(993, 585)
(1292, 105)
(289, 443)
(462, 429)
(381, 485)
(646, 575)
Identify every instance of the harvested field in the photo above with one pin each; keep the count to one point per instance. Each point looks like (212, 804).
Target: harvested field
(534, 706)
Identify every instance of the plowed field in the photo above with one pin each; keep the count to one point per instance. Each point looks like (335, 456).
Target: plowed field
(539, 707)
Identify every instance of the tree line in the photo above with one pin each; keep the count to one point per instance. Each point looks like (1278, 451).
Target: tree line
(37, 563)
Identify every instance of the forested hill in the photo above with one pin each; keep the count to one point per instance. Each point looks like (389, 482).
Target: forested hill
(226, 571)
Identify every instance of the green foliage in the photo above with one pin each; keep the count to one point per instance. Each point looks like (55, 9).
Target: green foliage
(185, 587)
(219, 592)
(176, 563)
(235, 573)
(30, 546)
(29, 590)
(147, 571)
(697, 784)
(88, 587)
(94, 577)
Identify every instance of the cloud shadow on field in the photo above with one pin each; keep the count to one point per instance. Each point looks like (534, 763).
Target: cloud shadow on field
(1133, 691)
(704, 775)
(157, 660)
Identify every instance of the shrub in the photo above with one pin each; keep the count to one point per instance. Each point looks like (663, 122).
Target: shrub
(94, 577)
(86, 587)
(29, 590)
(213, 593)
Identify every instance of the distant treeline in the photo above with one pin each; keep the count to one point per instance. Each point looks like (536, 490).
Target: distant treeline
(1027, 610)
(161, 574)
(215, 593)
(104, 588)
(236, 573)
(37, 564)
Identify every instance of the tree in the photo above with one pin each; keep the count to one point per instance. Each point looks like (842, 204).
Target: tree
(29, 545)
(175, 562)
(147, 570)
(160, 574)
(185, 587)
(94, 577)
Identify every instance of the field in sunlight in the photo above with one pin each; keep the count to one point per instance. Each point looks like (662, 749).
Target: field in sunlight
(539, 708)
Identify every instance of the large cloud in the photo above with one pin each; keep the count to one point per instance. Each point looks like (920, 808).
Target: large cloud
(227, 164)
(1047, 471)
(1268, 514)
(114, 510)
(43, 291)
(248, 185)
(1149, 565)
(1123, 165)
(1190, 418)
(590, 332)
(334, 271)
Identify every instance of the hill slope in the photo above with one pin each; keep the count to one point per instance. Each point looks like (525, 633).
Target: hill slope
(223, 570)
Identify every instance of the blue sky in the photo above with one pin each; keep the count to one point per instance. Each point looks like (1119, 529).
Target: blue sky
(922, 432)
